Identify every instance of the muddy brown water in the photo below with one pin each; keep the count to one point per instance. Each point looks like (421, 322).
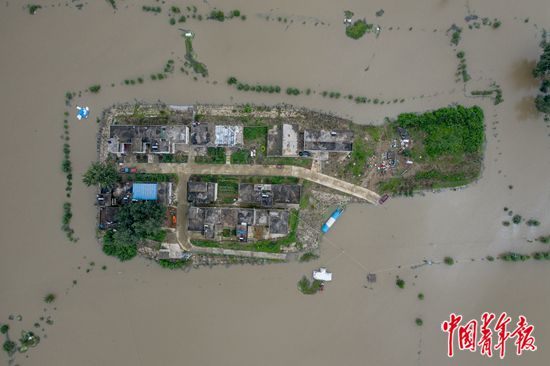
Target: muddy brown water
(137, 313)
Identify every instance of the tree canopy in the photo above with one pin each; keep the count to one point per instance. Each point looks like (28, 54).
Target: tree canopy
(448, 131)
(542, 69)
(104, 174)
(135, 222)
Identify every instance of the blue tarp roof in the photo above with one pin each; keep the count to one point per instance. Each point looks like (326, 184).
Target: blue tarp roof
(144, 191)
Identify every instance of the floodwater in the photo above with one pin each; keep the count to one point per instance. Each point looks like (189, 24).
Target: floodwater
(139, 314)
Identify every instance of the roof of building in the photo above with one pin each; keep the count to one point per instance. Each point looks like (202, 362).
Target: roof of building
(144, 191)
(275, 141)
(323, 140)
(231, 135)
(278, 222)
(266, 195)
(201, 193)
(159, 138)
(287, 193)
(200, 133)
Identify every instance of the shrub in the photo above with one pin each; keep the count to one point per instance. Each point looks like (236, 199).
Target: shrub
(217, 15)
(418, 322)
(533, 222)
(516, 219)
(308, 287)
(400, 282)
(94, 88)
(506, 223)
(232, 80)
(496, 23)
(357, 30)
(9, 347)
(421, 296)
(490, 258)
(544, 239)
(308, 256)
(4, 328)
(49, 298)
(236, 13)
(449, 261)
(34, 8)
(174, 263)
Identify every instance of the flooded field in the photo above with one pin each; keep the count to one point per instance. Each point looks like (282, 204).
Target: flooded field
(138, 313)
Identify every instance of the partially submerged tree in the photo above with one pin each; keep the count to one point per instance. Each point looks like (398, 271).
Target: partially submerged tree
(104, 174)
(542, 71)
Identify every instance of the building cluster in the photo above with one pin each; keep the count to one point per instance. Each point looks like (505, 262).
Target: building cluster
(261, 212)
(288, 140)
(110, 200)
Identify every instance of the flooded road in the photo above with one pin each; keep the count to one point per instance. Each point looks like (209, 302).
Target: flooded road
(140, 314)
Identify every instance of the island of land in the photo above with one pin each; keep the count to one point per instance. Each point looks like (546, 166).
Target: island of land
(213, 183)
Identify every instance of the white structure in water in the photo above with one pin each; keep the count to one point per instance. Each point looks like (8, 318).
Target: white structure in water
(83, 112)
(322, 275)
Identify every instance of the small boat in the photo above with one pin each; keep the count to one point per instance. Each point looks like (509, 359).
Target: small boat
(332, 219)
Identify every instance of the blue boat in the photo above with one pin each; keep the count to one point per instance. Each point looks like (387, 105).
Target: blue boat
(332, 219)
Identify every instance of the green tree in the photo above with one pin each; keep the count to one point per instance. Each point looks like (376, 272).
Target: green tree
(542, 102)
(542, 69)
(135, 222)
(104, 174)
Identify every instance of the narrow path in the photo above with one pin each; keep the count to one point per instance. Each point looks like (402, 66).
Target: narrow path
(265, 170)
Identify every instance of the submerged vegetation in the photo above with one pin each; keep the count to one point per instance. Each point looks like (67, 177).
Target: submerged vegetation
(191, 58)
(542, 72)
(308, 287)
(308, 256)
(357, 29)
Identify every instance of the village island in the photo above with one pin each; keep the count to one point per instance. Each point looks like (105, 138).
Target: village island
(203, 184)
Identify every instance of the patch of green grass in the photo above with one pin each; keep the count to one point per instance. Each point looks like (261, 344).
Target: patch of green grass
(214, 155)
(359, 156)
(302, 162)
(241, 156)
(255, 133)
(159, 236)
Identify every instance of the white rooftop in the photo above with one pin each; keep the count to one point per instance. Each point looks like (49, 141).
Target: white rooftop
(322, 275)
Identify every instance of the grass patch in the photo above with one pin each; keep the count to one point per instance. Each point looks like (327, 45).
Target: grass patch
(241, 156)
(255, 133)
(359, 156)
(214, 155)
(302, 162)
